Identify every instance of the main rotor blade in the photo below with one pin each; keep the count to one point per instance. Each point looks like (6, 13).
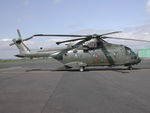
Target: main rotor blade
(55, 35)
(111, 33)
(69, 40)
(28, 38)
(126, 39)
(86, 36)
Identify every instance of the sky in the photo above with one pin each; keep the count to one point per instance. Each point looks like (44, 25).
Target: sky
(132, 17)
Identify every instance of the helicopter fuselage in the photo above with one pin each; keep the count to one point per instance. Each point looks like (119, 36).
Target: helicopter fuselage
(106, 55)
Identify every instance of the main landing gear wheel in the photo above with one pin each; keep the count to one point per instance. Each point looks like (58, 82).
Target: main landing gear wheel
(81, 69)
(130, 68)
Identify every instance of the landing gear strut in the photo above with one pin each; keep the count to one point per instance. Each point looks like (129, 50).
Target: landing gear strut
(130, 67)
(81, 69)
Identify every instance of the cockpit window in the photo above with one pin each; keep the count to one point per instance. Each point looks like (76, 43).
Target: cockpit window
(129, 51)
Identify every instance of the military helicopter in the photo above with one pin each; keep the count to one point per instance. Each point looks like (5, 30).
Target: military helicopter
(93, 50)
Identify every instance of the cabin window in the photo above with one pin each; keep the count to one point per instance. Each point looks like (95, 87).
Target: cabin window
(95, 55)
(76, 54)
(115, 53)
(107, 53)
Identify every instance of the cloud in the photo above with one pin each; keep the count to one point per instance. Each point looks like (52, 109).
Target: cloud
(51, 43)
(7, 52)
(56, 1)
(139, 32)
(4, 43)
(5, 40)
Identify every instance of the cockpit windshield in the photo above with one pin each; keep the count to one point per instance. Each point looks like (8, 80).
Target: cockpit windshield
(129, 51)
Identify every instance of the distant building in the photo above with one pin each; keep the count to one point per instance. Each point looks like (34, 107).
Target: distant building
(144, 53)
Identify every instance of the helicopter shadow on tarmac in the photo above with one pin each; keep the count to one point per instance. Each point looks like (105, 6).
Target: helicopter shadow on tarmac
(116, 69)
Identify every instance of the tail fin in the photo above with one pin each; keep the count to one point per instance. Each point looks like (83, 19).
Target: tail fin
(23, 49)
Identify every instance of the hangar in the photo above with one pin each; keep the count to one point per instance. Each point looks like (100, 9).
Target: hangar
(144, 53)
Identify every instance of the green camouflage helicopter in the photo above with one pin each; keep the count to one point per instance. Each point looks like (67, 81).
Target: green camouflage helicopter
(90, 50)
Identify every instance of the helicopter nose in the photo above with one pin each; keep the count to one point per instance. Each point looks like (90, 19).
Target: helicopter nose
(138, 60)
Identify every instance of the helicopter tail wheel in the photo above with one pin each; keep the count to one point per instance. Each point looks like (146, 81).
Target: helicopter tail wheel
(130, 67)
(81, 69)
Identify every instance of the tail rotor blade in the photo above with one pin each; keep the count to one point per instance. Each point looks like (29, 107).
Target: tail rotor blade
(19, 34)
(11, 44)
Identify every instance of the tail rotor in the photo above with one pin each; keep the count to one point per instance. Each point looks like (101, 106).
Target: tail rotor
(19, 43)
(19, 39)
